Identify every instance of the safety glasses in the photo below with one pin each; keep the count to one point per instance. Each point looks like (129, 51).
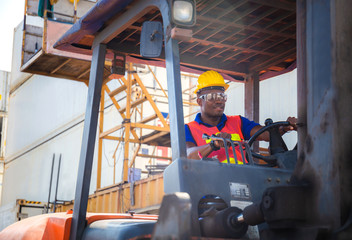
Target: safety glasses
(212, 97)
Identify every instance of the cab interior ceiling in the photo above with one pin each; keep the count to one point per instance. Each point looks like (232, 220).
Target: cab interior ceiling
(238, 37)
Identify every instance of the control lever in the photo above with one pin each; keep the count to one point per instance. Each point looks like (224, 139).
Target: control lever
(228, 142)
(225, 140)
(276, 143)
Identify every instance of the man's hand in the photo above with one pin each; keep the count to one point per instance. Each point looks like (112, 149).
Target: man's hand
(219, 143)
(292, 126)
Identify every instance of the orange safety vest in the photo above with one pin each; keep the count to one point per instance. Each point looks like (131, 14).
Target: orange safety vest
(232, 126)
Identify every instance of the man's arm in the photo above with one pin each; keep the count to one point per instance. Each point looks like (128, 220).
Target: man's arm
(262, 137)
(197, 152)
(194, 151)
(266, 137)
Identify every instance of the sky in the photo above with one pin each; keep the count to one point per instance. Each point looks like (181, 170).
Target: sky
(11, 14)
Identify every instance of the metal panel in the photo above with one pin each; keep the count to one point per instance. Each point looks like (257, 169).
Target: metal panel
(341, 35)
(119, 229)
(201, 178)
(320, 113)
(318, 164)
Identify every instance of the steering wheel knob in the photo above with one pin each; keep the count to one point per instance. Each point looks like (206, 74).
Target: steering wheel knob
(268, 121)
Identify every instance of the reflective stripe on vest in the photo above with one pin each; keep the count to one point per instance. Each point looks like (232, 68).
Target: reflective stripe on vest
(232, 126)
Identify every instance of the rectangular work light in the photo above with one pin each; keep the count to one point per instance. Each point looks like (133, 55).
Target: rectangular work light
(184, 12)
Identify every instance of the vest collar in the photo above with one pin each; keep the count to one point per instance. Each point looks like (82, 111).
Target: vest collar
(220, 126)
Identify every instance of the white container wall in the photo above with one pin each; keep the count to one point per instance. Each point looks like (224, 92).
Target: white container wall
(4, 93)
(28, 176)
(8, 215)
(4, 89)
(1, 178)
(45, 117)
(18, 77)
(235, 99)
(278, 100)
(40, 109)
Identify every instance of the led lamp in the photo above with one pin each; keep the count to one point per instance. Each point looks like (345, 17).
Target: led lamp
(183, 12)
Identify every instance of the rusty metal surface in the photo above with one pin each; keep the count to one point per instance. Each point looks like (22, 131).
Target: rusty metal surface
(157, 138)
(46, 60)
(236, 37)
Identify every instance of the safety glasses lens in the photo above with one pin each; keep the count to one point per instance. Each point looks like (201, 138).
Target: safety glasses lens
(211, 97)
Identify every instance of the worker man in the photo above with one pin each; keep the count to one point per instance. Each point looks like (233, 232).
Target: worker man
(211, 120)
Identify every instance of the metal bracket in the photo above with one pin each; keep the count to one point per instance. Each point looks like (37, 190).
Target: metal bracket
(181, 34)
(126, 120)
(118, 67)
(174, 220)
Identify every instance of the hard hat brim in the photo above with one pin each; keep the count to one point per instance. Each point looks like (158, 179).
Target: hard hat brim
(226, 86)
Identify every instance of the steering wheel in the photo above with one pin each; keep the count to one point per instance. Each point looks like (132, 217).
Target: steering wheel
(277, 144)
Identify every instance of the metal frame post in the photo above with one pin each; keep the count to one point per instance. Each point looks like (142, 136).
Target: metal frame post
(301, 19)
(100, 143)
(320, 101)
(172, 59)
(127, 123)
(75, 11)
(251, 101)
(57, 182)
(51, 180)
(251, 92)
(341, 35)
(88, 142)
(317, 163)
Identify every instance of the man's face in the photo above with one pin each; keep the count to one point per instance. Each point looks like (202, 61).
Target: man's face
(210, 106)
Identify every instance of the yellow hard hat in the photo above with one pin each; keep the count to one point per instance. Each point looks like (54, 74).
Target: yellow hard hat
(210, 79)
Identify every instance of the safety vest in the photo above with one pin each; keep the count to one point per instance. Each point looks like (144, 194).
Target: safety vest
(232, 126)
